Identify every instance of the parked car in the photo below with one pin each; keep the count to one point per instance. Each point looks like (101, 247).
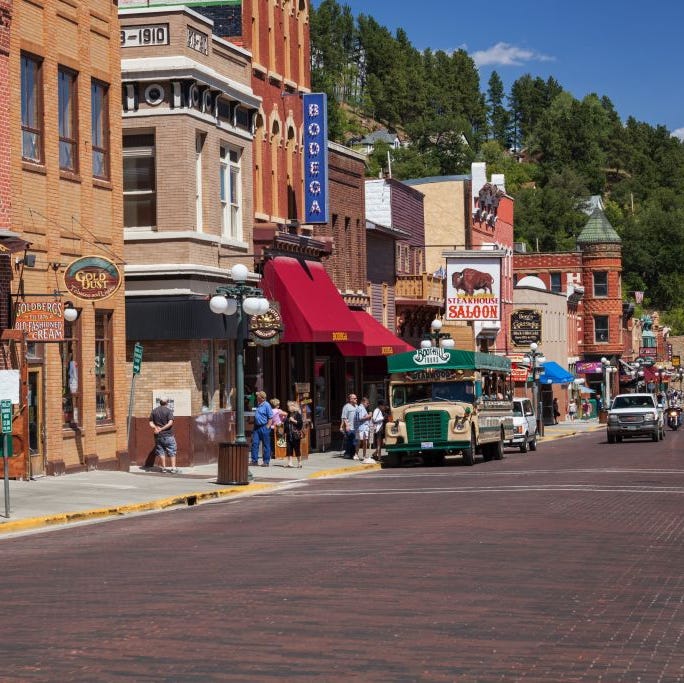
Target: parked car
(524, 425)
(635, 415)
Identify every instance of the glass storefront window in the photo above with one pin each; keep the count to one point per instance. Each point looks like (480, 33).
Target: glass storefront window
(104, 410)
(321, 390)
(70, 353)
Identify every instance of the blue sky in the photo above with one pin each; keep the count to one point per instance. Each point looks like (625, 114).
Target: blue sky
(629, 51)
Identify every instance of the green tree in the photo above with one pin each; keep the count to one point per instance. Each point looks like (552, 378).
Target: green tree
(499, 118)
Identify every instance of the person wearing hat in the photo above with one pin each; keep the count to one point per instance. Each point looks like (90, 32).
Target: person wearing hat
(161, 422)
(263, 417)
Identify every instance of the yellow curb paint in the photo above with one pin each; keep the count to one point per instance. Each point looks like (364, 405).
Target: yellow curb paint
(343, 470)
(121, 510)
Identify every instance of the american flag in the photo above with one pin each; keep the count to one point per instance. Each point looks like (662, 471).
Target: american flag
(639, 297)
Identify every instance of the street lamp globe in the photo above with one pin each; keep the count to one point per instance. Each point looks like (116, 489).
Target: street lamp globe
(425, 344)
(254, 305)
(218, 304)
(447, 343)
(533, 346)
(604, 360)
(70, 314)
(436, 325)
(239, 272)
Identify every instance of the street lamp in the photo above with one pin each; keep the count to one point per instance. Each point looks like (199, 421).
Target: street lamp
(608, 369)
(536, 359)
(229, 300)
(437, 338)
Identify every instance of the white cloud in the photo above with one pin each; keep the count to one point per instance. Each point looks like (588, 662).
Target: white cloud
(504, 54)
(679, 133)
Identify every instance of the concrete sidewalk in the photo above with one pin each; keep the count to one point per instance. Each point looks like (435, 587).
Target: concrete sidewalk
(52, 501)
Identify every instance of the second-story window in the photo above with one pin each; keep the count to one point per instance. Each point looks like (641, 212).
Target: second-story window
(31, 109)
(601, 284)
(139, 181)
(68, 119)
(601, 329)
(556, 284)
(99, 108)
(230, 193)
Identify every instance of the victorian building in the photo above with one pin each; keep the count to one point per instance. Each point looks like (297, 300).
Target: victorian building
(188, 120)
(65, 232)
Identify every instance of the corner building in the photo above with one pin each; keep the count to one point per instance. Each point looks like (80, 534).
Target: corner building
(65, 163)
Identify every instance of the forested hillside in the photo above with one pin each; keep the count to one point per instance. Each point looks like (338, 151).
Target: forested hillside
(569, 148)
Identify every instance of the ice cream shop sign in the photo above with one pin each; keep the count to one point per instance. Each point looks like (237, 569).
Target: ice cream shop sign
(92, 278)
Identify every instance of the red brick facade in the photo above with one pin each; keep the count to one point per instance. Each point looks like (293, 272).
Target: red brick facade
(5, 192)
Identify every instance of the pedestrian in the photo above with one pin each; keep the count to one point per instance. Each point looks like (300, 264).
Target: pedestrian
(347, 427)
(378, 420)
(556, 411)
(294, 424)
(161, 422)
(263, 415)
(277, 421)
(586, 409)
(572, 409)
(362, 420)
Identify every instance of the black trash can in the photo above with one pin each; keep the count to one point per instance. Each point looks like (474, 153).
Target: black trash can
(233, 464)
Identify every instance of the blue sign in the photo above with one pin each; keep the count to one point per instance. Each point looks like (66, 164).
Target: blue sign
(315, 158)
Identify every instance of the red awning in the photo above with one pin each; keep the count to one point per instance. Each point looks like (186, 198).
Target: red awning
(310, 305)
(377, 339)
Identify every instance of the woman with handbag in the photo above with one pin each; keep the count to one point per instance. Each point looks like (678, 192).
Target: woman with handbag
(294, 424)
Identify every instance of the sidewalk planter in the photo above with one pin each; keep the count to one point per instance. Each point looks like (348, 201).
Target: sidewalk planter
(603, 416)
(233, 464)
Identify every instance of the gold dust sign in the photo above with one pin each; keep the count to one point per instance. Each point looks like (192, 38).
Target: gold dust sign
(92, 278)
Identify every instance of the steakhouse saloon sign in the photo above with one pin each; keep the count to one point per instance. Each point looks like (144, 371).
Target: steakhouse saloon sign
(92, 278)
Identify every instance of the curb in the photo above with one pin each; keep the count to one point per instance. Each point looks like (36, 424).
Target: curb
(183, 499)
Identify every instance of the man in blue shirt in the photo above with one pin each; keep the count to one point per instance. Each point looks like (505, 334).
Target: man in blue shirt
(263, 414)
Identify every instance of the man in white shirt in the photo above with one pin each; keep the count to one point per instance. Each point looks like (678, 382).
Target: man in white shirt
(362, 420)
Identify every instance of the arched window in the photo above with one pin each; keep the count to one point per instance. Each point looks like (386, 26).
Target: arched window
(275, 151)
(259, 163)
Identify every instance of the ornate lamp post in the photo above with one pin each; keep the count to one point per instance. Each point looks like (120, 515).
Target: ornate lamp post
(607, 369)
(536, 359)
(437, 338)
(231, 300)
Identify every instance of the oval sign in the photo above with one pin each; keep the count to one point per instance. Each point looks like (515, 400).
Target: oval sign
(92, 278)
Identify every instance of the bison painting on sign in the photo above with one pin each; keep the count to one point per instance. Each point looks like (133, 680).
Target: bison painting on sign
(473, 288)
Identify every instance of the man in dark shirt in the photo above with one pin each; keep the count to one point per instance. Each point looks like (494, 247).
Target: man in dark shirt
(161, 422)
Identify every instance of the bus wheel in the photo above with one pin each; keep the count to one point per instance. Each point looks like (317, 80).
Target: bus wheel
(469, 453)
(391, 460)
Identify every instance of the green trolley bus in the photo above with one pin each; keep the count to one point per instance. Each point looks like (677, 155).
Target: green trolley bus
(447, 402)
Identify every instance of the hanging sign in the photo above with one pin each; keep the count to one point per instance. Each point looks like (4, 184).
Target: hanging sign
(265, 330)
(526, 327)
(315, 158)
(473, 287)
(92, 278)
(40, 320)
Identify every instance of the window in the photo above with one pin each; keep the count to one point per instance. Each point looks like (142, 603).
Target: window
(556, 283)
(199, 144)
(139, 181)
(104, 409)
(68, 121)
(31, 109)
(601, 284)
(99, 107)
(601, 329)
(230, 193)
(70, 351)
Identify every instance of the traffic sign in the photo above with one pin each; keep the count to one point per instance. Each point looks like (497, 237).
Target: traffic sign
(6, 416)
(137, 358)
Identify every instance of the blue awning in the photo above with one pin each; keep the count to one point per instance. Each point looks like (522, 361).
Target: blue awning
(555, 374)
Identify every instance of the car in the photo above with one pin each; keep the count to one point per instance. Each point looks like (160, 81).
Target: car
(524, 425)
(633, 415)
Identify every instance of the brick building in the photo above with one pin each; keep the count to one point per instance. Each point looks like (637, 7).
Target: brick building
(188, 114)
(65, 163)
(594, 273)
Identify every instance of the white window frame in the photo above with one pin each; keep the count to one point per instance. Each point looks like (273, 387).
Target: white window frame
(199, 143)
(143, 151)
(230, 192)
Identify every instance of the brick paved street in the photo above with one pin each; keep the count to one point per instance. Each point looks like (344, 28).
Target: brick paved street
(562, 565)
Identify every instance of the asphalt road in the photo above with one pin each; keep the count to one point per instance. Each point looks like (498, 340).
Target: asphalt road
(560, 565)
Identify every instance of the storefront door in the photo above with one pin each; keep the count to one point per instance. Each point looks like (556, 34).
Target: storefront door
(35, 420)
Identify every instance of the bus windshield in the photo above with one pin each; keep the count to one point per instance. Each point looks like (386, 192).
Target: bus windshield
(403, 394)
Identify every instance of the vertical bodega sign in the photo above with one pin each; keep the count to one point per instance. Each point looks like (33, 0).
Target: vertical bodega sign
(315, 158)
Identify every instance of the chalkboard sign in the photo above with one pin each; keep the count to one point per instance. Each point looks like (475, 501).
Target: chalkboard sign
(526, 327)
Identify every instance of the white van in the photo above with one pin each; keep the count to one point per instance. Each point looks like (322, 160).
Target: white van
(524, 425)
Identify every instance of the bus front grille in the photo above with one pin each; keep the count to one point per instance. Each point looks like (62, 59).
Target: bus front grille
(429, 425)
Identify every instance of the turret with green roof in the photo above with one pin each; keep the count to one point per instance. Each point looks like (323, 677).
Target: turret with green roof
(598, 230)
